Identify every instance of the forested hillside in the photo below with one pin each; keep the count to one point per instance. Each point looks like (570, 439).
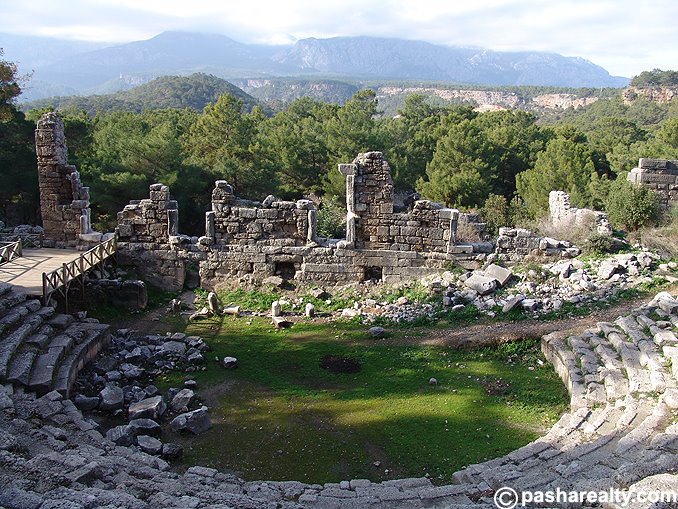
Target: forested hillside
(195, 91)
(503, 162)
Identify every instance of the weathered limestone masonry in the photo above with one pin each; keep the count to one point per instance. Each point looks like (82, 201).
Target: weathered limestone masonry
(234, 221)
(144, 231)
(518, 244)
(564, 215)
(372, 224)
(64, 202)
(660, 175)
(256, 240)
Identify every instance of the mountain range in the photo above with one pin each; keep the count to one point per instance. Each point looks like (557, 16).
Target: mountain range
(59, 67)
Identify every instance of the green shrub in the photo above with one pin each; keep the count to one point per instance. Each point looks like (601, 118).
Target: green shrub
(331, 221)
(630, 206)
(600, 244)
(496, 213)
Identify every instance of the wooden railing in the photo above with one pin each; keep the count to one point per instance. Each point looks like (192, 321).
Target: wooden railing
(9, 251)
(60, 280)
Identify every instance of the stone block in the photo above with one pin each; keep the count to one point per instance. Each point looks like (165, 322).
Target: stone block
(501, 274)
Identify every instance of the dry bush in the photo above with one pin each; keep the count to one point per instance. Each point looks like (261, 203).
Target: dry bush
(576, 234)
(662, 238)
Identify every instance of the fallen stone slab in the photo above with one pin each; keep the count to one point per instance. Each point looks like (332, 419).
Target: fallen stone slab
(274, 281)
(229, 362)
(377, 332)
(86, 403)
(501, 274)
(172, 451)
(149, 408)
(181, 400)
(177, 348)
(196, 422)
(111, 398)
(512, 302)
(145, 427)
(281, 322)
(121, 435)
(609, 268)
(482, 284)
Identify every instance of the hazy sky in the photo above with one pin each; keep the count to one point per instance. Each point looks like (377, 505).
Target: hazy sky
(623, 36)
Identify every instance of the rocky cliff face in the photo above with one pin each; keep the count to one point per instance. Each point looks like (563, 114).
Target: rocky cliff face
(492, 100)
(661, 95)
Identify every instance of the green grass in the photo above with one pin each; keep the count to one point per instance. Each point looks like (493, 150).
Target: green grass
(281, 416)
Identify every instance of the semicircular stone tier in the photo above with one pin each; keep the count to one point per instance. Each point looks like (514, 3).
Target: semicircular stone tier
(621, 432)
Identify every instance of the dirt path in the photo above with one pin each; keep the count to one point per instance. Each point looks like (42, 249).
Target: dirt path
(503, 332)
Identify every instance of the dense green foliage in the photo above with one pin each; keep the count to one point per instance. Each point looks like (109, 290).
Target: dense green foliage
(655, 78)
(19, 193)
(448, 153)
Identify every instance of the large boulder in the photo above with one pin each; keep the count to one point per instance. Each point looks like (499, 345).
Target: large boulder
(149, 408)
(197, 421)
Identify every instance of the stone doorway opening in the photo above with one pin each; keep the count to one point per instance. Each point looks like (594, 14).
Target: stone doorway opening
(285, 270)
(373, 274)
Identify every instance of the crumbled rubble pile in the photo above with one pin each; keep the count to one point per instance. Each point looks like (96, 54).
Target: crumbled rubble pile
(540, 289)
(621, 432)
(120, 383)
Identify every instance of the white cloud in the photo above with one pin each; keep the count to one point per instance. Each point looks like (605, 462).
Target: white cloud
(623, 36)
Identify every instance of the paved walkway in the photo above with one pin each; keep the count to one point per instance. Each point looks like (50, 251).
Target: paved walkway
(26, 271)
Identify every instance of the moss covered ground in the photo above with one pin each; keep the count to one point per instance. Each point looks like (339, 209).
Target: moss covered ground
(281, 416)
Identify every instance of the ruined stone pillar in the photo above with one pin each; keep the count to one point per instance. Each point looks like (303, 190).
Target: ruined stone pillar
(64, 201)
(348, 170)
(453, 216)
(210, 230)
(312, 225)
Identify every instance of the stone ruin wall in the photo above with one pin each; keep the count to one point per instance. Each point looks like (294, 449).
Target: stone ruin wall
(660, 175)
(372, 223)
(64, 201)
(243, 222)
(245, 239)
(251, 241)
(144, 230)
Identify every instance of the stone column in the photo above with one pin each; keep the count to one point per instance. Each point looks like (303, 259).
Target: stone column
(210, 230)
(349, 170)
(312, 225)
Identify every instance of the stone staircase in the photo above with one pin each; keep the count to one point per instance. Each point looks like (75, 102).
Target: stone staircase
(623, 423)
(42, 350)
(621, 432)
